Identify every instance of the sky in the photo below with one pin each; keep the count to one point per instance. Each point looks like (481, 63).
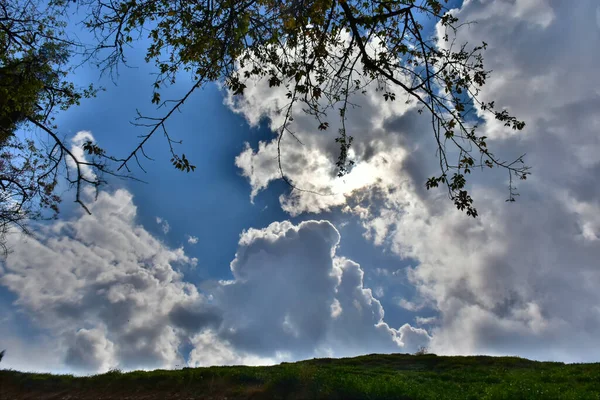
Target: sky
(227, 265)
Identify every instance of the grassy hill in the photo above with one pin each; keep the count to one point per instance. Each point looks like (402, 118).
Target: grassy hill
(397, 376)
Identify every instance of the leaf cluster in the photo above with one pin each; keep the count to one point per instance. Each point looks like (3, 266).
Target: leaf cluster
(34, 85)
(323, 52)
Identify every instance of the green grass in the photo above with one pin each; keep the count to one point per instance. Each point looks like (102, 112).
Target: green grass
(398, 377)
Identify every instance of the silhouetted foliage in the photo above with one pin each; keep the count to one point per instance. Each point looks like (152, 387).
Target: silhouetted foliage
(34, 85)
(323, 52)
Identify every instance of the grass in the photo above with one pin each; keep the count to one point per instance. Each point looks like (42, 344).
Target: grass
(376, 377)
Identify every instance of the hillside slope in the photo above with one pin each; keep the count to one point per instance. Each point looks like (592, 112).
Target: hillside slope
(397, 376)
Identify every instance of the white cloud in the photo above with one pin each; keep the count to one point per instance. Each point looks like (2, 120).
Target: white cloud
(104, 293)
(425, 320)
(101, 291)
(210, 350)
(103, 286)
(110, 295)
(409, 305)
(192, 239)
(164, 224)
(91, 351)
(311, 164)
(292, 294)
(522, 278)
(77, 150)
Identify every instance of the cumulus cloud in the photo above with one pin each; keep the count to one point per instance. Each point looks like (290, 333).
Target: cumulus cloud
(292, 294)
(522, 278)
(209, 349)
(112, 296)
(192, 239)
(104, 286)
(104, 293)
(90, 350)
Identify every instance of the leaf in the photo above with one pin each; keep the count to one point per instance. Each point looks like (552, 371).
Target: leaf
(323, 126)
(274, 81)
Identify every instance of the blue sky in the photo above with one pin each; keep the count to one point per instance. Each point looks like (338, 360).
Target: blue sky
(213, 203)
(290, 275)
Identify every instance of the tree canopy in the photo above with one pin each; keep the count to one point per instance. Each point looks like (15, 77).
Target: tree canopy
(323, 52)
(33, 86)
